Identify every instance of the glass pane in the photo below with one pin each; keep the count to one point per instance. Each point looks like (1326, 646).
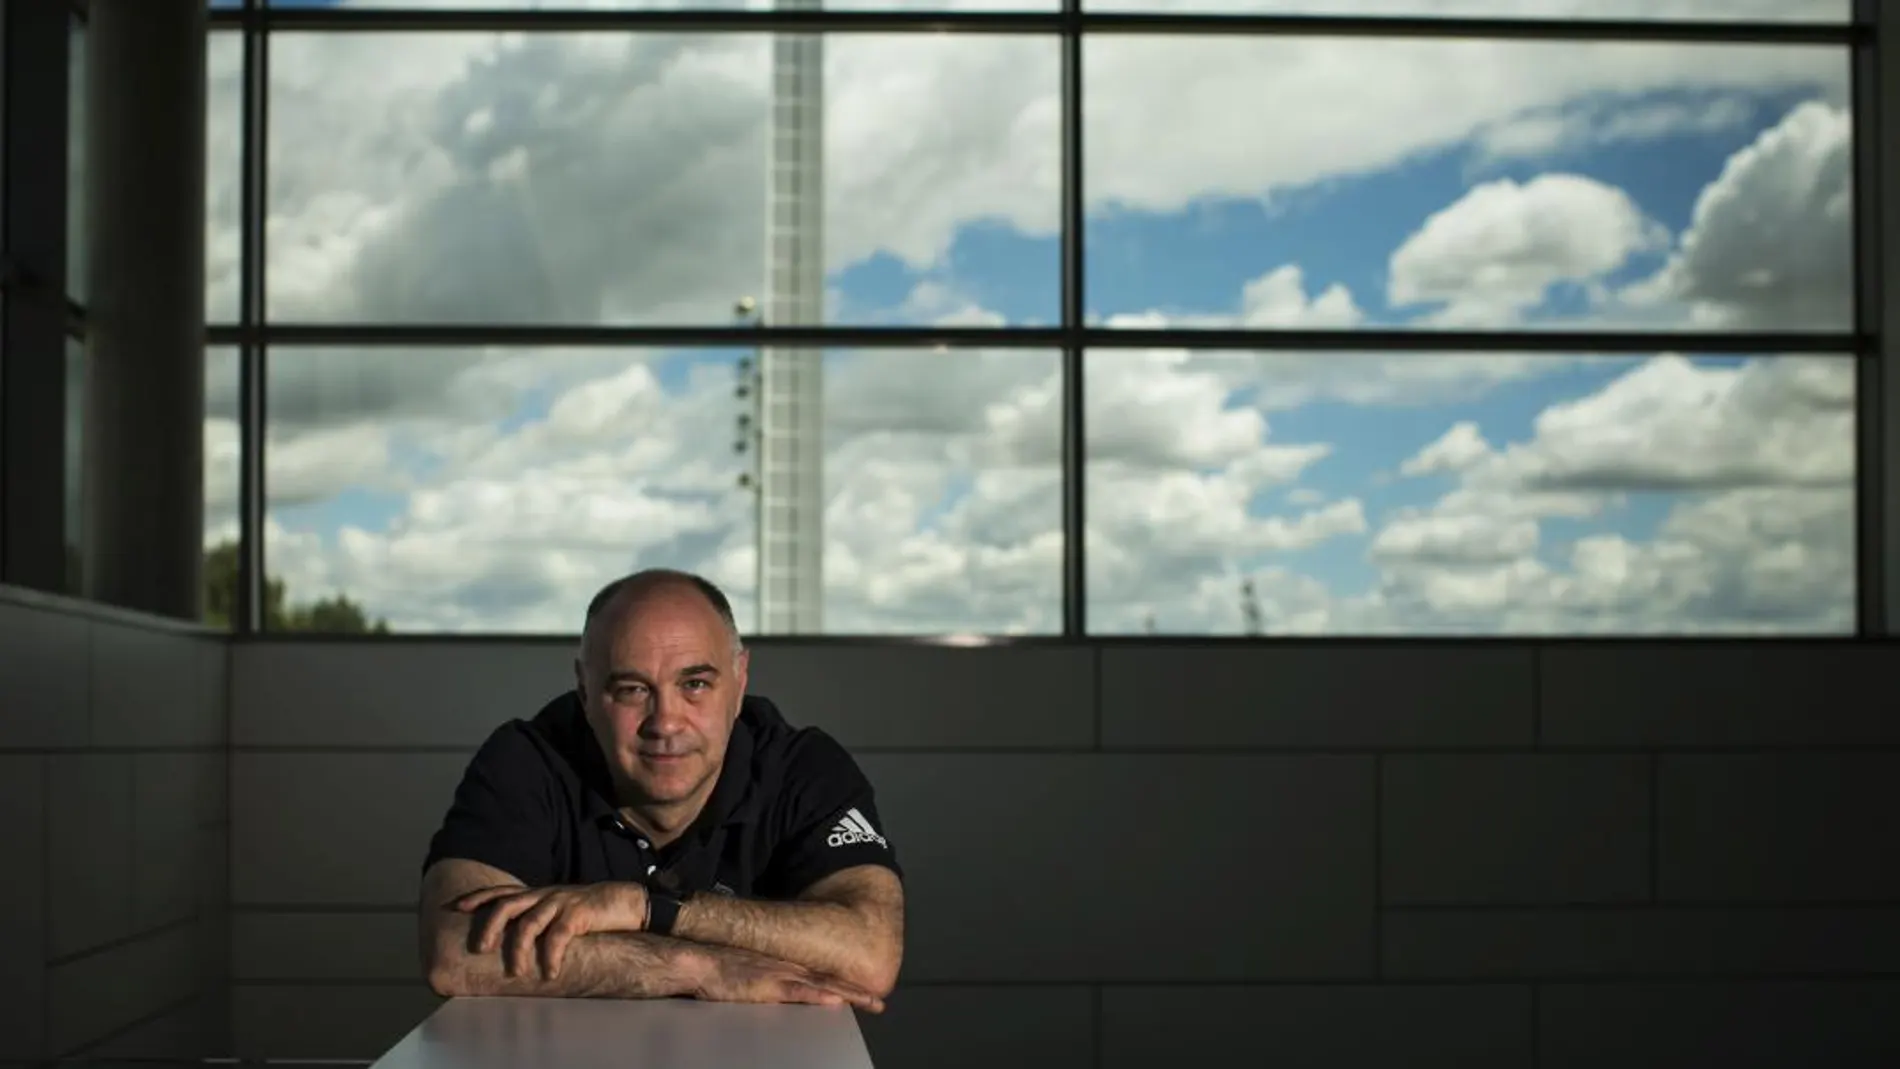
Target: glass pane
(1234, 493)
(1467, 184)
(495, 491)
(696, 5)
(222, 447)
(224, 175)
(3, 245)
(622, 178)
(3, 131)
(75, 517)
(76, 161)
(1673, 10)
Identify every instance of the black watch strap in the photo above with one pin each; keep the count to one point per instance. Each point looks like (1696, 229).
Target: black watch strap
(663, 910)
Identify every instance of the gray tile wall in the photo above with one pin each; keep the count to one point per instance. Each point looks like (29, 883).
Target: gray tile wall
(1588, 854)
(114, 930)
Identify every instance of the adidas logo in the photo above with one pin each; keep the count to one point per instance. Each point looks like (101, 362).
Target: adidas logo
(853, 828)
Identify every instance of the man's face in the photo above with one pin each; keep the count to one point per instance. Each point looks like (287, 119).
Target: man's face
(662, 686)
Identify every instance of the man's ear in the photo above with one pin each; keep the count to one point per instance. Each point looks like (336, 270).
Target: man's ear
(580, 681)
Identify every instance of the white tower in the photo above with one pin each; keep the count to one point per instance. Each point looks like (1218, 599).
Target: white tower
(791, 380)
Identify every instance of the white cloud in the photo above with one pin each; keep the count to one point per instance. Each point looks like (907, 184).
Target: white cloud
(1281, 380)
(1169, 412)
(942, 527)
(1598, 123)
(1462, 446)
(1771, 245)
(615, 178)
(1278, 299)
(1164, 131)
(1670, 425)
(1456, 539)
(1705, 10)
(1499, 250)
(931, 529)
(1754, 462)
(612, 177)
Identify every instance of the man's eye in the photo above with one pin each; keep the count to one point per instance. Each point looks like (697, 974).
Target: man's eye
(697, 684)
(627, 694)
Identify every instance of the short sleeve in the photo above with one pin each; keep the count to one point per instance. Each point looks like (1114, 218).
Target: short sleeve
(828, 819)
(503, 813)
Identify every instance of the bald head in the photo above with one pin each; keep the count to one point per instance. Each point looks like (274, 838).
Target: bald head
(654, 588)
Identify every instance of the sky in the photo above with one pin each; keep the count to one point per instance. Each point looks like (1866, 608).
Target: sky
(1291, 183)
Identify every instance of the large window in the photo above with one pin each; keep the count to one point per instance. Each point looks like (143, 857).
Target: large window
(1428, 493)
(42, 173)
(481, 489)
(1342, 318)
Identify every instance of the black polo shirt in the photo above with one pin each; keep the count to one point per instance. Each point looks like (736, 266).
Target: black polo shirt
(790, 808)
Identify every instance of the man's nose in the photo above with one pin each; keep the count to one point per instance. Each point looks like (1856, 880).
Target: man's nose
(668, 715)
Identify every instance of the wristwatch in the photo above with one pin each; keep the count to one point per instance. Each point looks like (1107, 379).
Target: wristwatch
(663, 909)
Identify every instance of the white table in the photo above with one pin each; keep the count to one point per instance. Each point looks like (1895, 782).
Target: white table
(538, 1033)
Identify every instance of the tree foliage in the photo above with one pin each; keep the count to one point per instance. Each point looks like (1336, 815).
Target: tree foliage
(336, 614)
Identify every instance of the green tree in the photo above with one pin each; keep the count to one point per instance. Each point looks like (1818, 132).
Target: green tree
(335, 615)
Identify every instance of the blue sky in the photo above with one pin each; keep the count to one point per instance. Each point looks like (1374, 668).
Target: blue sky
(1197, 262)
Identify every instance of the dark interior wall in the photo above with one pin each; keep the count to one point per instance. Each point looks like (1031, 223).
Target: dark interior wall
(1501, 854)
(114, 929)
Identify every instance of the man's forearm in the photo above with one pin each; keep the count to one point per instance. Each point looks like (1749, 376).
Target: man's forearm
(601, 965)
(826, 937)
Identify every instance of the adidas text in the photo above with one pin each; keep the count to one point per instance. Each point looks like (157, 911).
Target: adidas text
(854, 829)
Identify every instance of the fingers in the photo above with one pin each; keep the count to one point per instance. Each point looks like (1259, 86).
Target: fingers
(474, 899)
(554, 943)
(482, 933)
(500, 915)
(489, 931)
(852, 993)
(533, 924)
(809, 994)
(863, 1000)
(849, 993)
(526, 932)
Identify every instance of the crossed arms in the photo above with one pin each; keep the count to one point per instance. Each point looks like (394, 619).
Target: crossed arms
(484, 932)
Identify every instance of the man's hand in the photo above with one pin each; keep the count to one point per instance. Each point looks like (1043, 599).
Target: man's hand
(548, 918)
(737, 975)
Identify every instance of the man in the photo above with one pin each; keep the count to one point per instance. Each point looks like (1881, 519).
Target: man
(657, 832)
